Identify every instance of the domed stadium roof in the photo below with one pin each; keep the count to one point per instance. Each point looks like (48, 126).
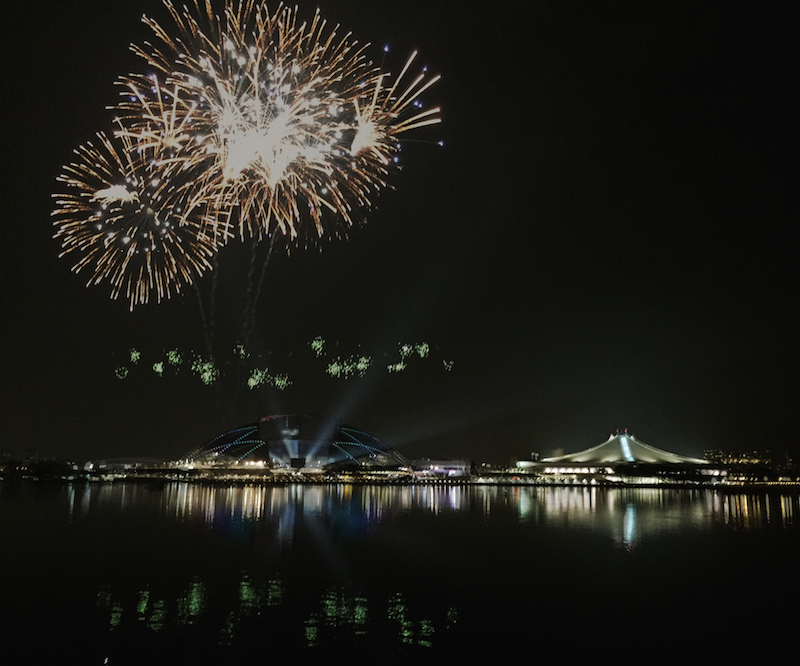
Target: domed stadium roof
(623, 447)
(299, 441)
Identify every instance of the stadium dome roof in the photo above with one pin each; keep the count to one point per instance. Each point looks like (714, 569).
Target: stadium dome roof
(299, 441)
(623, 447)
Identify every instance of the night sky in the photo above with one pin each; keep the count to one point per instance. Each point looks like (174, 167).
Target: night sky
(606, 240)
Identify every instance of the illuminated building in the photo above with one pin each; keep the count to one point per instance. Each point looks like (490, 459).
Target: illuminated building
(300, 442)
(623, 447)
(449, 469)
(739, 458)
(623, 459)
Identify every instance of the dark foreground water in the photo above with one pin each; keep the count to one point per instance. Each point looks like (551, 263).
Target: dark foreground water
(179, 573)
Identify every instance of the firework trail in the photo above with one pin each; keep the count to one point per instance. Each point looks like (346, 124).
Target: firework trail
(254, 288)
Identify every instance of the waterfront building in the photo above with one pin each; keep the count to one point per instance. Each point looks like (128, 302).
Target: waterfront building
(623, 447)
(428, 468)
(623, 459)
(297, 442)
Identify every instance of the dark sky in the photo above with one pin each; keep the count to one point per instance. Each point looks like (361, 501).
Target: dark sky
(606, 240)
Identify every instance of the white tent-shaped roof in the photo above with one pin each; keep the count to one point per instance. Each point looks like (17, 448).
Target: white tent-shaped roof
(623, 447)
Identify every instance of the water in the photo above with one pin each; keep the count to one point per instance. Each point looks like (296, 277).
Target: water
(136, 573)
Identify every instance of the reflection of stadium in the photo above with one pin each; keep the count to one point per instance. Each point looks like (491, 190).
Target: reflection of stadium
(299, 441)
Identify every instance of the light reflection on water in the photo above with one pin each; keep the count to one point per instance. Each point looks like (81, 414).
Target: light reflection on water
(632, 512)
(411, 567)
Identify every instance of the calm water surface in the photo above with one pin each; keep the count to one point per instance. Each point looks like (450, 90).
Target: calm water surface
(135, 573)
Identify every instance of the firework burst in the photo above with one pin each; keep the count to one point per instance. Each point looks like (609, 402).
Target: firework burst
(249, 120)
(300, 123)
(133, 217)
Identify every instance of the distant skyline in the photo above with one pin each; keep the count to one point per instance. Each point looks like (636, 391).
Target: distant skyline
(606, 240)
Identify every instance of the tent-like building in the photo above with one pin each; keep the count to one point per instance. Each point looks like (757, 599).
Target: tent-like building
(622, 459)
(623, 447)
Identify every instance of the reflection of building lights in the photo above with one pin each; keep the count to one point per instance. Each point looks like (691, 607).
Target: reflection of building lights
(629, 526)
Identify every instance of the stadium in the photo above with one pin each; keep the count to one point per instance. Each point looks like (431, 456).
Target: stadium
(298, 441)
(622, 447)
(623, 459)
